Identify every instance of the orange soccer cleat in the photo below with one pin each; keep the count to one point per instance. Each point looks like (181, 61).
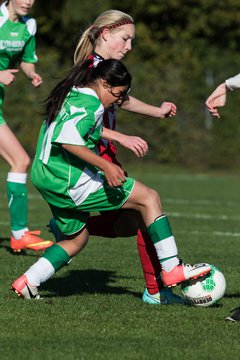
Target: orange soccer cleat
(30, 240)
(24, 290)
(184, 272)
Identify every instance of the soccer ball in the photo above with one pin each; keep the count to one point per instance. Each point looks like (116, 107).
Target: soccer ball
(206, 290)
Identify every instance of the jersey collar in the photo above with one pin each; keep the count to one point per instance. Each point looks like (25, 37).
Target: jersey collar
(5, 14)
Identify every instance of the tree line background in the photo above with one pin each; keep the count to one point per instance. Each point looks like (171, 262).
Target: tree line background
(182, 51)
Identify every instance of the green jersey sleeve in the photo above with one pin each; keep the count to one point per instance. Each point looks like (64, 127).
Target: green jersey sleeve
(80, 130)
(70, 132)
(80, 120)
(29, 53)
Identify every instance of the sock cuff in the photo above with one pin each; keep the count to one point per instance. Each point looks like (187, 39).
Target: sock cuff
(160, 229)
(57, 256)
(17, 177)
(17, 234)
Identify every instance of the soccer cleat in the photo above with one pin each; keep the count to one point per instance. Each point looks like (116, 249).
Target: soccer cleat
(54, 229)
(184, 272)
(30, 240)
(164, 297)
(235, 316)
(24, 290)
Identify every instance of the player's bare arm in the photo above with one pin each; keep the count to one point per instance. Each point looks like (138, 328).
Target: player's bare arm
(167, 109)
(30, 71)
(134, 143)
(217, 99)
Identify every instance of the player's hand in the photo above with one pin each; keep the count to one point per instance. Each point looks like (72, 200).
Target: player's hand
(134, 143)
(168, 109)
(7, 77)
(36, 80)
(217, 99)
(114, 174)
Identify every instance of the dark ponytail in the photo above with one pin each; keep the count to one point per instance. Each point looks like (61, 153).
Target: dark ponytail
(83, 74)
(77, 77)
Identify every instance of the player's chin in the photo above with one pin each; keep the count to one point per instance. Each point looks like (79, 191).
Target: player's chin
(23, 13)
(120, 56)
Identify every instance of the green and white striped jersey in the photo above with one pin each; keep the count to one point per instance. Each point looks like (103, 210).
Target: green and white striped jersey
(61, 177)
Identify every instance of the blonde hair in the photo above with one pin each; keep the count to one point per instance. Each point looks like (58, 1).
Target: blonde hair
(110, 19)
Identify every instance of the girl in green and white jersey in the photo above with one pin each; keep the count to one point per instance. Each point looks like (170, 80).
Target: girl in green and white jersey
(17, 43)
(75, 180)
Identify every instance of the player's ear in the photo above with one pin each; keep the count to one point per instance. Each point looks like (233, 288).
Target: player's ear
(104, 84)
(105, 34)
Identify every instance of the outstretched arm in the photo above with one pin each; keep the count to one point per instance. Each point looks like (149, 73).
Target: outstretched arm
(167, 109)
(30, 71)
(134, 143)
(217, 99)
(219, 95)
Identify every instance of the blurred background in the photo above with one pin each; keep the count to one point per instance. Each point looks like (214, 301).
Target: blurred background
(182, 51)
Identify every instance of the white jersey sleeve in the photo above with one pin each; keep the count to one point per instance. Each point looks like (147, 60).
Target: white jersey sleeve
(31, 25)
(233, 82)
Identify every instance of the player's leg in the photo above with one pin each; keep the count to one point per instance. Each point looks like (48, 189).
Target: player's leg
(53, 260)
(141, 199)
(14, 154)
(155, 292)
(148, 203)
(125, 223)
(98, 225)
(72, 224)
(103, 224)
(134, 195)
(129, 223)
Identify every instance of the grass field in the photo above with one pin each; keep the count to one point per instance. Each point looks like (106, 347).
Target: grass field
(92, 309)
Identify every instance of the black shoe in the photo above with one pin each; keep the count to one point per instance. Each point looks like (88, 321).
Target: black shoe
(234, 317)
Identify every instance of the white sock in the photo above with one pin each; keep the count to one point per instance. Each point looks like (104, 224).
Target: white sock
(40, 272)
(170, 264)
(17, 234)
(20, 178)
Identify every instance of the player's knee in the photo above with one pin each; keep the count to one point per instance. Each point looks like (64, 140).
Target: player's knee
(22, 163)
(26, 162)
(152, 196)
(152, 200)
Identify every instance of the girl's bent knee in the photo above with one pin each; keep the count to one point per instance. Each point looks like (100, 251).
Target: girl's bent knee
(21, 164)
(153, 194)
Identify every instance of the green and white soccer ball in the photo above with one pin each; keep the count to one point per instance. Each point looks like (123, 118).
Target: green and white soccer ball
(206, 290)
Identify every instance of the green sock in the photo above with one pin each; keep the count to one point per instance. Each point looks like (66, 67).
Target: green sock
(57, 256)
(160, 229)
(18, 204)
(163, 240)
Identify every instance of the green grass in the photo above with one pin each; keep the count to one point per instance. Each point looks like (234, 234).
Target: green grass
(92, 309)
